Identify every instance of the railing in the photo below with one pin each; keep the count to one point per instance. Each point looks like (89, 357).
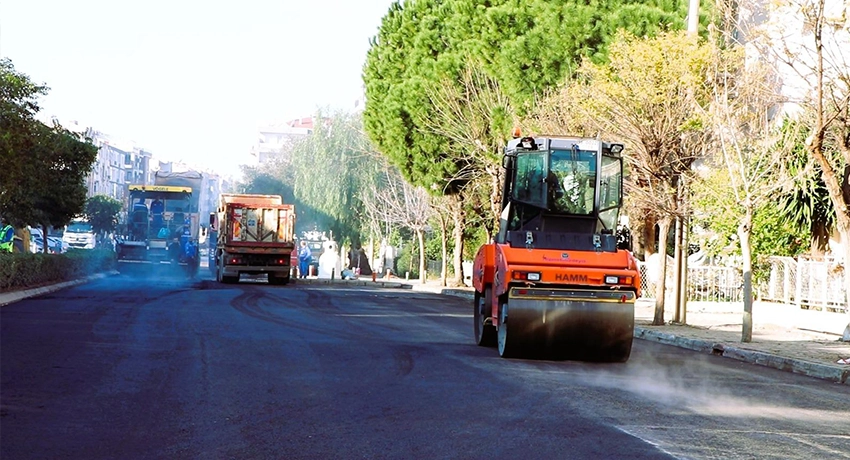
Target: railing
(706, 283)
(808, 283)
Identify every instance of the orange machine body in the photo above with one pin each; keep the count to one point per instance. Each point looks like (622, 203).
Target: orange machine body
(501, 266)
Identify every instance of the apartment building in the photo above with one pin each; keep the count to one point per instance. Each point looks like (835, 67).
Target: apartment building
(277, 139)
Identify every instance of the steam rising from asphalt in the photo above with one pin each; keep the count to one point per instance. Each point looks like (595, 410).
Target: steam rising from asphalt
(160, 275)
(697, 390)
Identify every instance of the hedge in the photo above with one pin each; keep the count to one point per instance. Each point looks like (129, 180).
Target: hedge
(19, 271)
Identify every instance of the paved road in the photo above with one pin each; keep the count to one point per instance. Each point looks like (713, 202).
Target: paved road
(123, 368)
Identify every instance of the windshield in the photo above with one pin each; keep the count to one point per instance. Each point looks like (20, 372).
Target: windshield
(79, 227)
(572, 181)
(528, 186)
(611, 190)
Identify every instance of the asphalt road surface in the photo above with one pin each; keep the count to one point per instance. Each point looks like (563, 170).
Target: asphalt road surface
(131, 368)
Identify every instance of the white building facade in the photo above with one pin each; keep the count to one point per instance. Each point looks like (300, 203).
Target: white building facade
(276, 139)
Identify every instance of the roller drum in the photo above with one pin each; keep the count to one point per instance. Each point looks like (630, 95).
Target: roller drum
(570, 324)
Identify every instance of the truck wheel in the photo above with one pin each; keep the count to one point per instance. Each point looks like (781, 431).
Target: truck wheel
(507, 348)
(278, 280)
(225, 279)
(485, 334)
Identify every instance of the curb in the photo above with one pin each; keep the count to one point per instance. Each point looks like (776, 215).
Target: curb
(458, 293)
(833, 374)
(11, 297)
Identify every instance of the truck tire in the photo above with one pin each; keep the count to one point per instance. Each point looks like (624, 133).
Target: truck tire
(278, 280)
(485, 334)
(508, 348)
(219, 273)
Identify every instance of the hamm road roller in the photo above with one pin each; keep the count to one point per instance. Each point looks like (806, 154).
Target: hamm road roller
(557, 282)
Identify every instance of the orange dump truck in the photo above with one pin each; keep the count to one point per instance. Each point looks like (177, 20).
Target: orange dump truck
(557, 282)
(254, 234)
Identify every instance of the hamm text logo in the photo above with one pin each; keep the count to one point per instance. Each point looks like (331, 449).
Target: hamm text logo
(571, 278)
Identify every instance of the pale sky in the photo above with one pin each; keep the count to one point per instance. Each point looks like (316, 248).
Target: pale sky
(190, 80)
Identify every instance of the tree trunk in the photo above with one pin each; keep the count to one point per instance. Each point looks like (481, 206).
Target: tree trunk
(495, 200)
(649, 236)
(420, 237)
(744, 230)
(444, 248)
(457, 217)
(44, 240)
(845, 240)
(820, 239)
(661, 286)
(842, 215)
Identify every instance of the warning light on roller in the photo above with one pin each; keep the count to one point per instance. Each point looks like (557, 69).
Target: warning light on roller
(614, 279)
(526, 276)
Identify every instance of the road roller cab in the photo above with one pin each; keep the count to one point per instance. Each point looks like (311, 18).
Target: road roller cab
(556, 283)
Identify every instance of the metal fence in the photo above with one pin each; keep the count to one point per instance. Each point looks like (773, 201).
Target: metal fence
(808, 283)
(706, 283)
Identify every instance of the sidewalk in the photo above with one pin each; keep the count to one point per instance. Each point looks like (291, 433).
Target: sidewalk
(784, 337)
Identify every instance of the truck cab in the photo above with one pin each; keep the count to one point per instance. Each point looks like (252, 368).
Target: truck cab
(79, 234)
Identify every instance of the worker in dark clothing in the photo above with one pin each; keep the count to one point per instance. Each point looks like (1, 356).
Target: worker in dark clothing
(157, 208)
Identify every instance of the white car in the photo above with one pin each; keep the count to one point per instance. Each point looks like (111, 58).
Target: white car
(54, 244)
(80, 235)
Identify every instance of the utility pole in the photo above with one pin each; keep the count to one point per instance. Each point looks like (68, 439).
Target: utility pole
(682, 223)
(678, 286)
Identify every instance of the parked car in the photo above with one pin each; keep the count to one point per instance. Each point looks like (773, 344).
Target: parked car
(79, 235)
(57, 243)
(54, 244)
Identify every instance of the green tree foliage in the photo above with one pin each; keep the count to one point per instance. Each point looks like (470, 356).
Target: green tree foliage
(807, 206)
(324, 175)
(268, 180)
(331, 168)
(18, 106)
(102, 211)
(527, 47)
(41, 168)
(63, 161)
(717, 214)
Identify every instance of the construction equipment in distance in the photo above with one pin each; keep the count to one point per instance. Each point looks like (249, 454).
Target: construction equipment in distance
(555, 283)
(163, 222)
(253, 234)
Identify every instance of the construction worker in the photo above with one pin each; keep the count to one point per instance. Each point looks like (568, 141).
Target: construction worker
(304, 257)
(7, 236)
